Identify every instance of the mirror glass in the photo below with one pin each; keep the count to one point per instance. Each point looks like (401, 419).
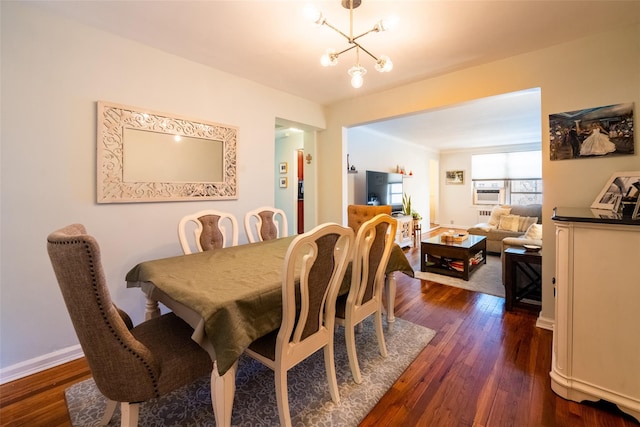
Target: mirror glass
(148, 156)
(191, 159)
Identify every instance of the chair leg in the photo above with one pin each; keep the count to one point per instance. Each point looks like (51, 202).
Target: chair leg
(330, 367)
(380, 333)
(129, 414)
(350, 339)
(282, 396)
(390, 294)
(108, 412)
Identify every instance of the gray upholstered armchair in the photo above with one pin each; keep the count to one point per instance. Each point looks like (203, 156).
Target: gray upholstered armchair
(129, 364)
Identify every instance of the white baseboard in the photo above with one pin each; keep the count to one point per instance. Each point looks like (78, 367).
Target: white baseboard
(40, 363)
(545, 323)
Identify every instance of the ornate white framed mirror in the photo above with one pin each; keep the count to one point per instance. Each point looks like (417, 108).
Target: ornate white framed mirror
(147, 156)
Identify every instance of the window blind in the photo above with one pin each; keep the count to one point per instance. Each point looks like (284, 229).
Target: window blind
(515, 165)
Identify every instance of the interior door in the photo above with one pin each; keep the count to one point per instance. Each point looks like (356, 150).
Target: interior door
(300, 191)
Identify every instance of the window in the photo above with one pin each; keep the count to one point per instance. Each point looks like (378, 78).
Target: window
(519, 173)
(395, 193)
(524, 191)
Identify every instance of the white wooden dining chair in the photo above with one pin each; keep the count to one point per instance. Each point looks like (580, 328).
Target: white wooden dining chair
(265, 223)
(373, 245)
(210, 229)
(321, 256)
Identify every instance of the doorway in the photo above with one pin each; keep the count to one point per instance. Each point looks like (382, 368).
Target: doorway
(295, 180)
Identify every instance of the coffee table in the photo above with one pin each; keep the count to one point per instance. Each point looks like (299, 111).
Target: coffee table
(440, 257)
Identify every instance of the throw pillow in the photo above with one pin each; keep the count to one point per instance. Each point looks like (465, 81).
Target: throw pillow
(509, 222)
(526, 221)
(497, 212)
(534, 232)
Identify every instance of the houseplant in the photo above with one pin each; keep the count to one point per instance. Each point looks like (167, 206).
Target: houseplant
(406, 204)
(408, 211)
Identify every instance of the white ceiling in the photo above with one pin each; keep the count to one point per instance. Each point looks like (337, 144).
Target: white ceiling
(272, 43)
(509, 119)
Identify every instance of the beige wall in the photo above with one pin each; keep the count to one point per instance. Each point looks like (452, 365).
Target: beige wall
(370, 151)
(53, 73)
(595, 71)
(456, 201)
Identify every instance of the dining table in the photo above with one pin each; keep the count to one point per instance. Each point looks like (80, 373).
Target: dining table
(231, 297)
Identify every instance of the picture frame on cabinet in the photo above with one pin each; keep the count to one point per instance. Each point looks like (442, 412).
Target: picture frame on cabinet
(636, 210)
(621, 189)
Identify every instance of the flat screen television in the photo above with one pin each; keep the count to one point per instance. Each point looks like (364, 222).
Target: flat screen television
(384, 188)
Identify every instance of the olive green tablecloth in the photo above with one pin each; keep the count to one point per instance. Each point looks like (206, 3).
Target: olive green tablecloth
(236, 290)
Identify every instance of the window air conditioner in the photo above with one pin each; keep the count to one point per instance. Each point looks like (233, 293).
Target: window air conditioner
(488, 196)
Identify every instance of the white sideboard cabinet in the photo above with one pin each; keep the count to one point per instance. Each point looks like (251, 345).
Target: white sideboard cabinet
(596, 338)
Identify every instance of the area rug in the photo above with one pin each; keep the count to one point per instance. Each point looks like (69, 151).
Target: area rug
(486, 279)
(255, 402)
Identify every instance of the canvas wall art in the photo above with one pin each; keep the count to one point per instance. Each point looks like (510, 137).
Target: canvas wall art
(592, 132)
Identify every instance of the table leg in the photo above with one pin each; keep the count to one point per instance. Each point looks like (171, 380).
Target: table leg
(151, 309)
(509, 282)
(223, 389)
(390, 289)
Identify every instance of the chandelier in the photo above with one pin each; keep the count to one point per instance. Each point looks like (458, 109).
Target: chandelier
(330, 57)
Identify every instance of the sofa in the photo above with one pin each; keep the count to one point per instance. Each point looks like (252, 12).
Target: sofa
(510, 226)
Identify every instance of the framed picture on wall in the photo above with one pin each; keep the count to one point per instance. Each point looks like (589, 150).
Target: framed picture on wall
(454, 177)
(283, 182)
(283, 167)
(622, 189)
(592, 133)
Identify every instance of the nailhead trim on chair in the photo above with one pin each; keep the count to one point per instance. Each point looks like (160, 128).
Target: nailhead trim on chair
(94, 285)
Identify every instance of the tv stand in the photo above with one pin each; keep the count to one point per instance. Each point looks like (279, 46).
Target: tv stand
(404, 232)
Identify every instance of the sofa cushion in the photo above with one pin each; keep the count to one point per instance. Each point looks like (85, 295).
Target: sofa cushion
(527, 210)
(525, 222)
(497, 235)
(482, 228)
(497, 212)
(510, 242)
(509, 222)
(534, 232)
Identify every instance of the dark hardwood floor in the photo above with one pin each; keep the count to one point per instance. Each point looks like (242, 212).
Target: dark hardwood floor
(484, 367)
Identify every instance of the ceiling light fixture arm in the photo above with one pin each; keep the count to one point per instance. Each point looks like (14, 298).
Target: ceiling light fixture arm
(330, 58)
(337, 31)
(365, 51)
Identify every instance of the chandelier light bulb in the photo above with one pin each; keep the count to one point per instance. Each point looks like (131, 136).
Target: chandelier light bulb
(384, 64)
(329, 59)
(314, 15)
(385, 24)
(356, 72)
